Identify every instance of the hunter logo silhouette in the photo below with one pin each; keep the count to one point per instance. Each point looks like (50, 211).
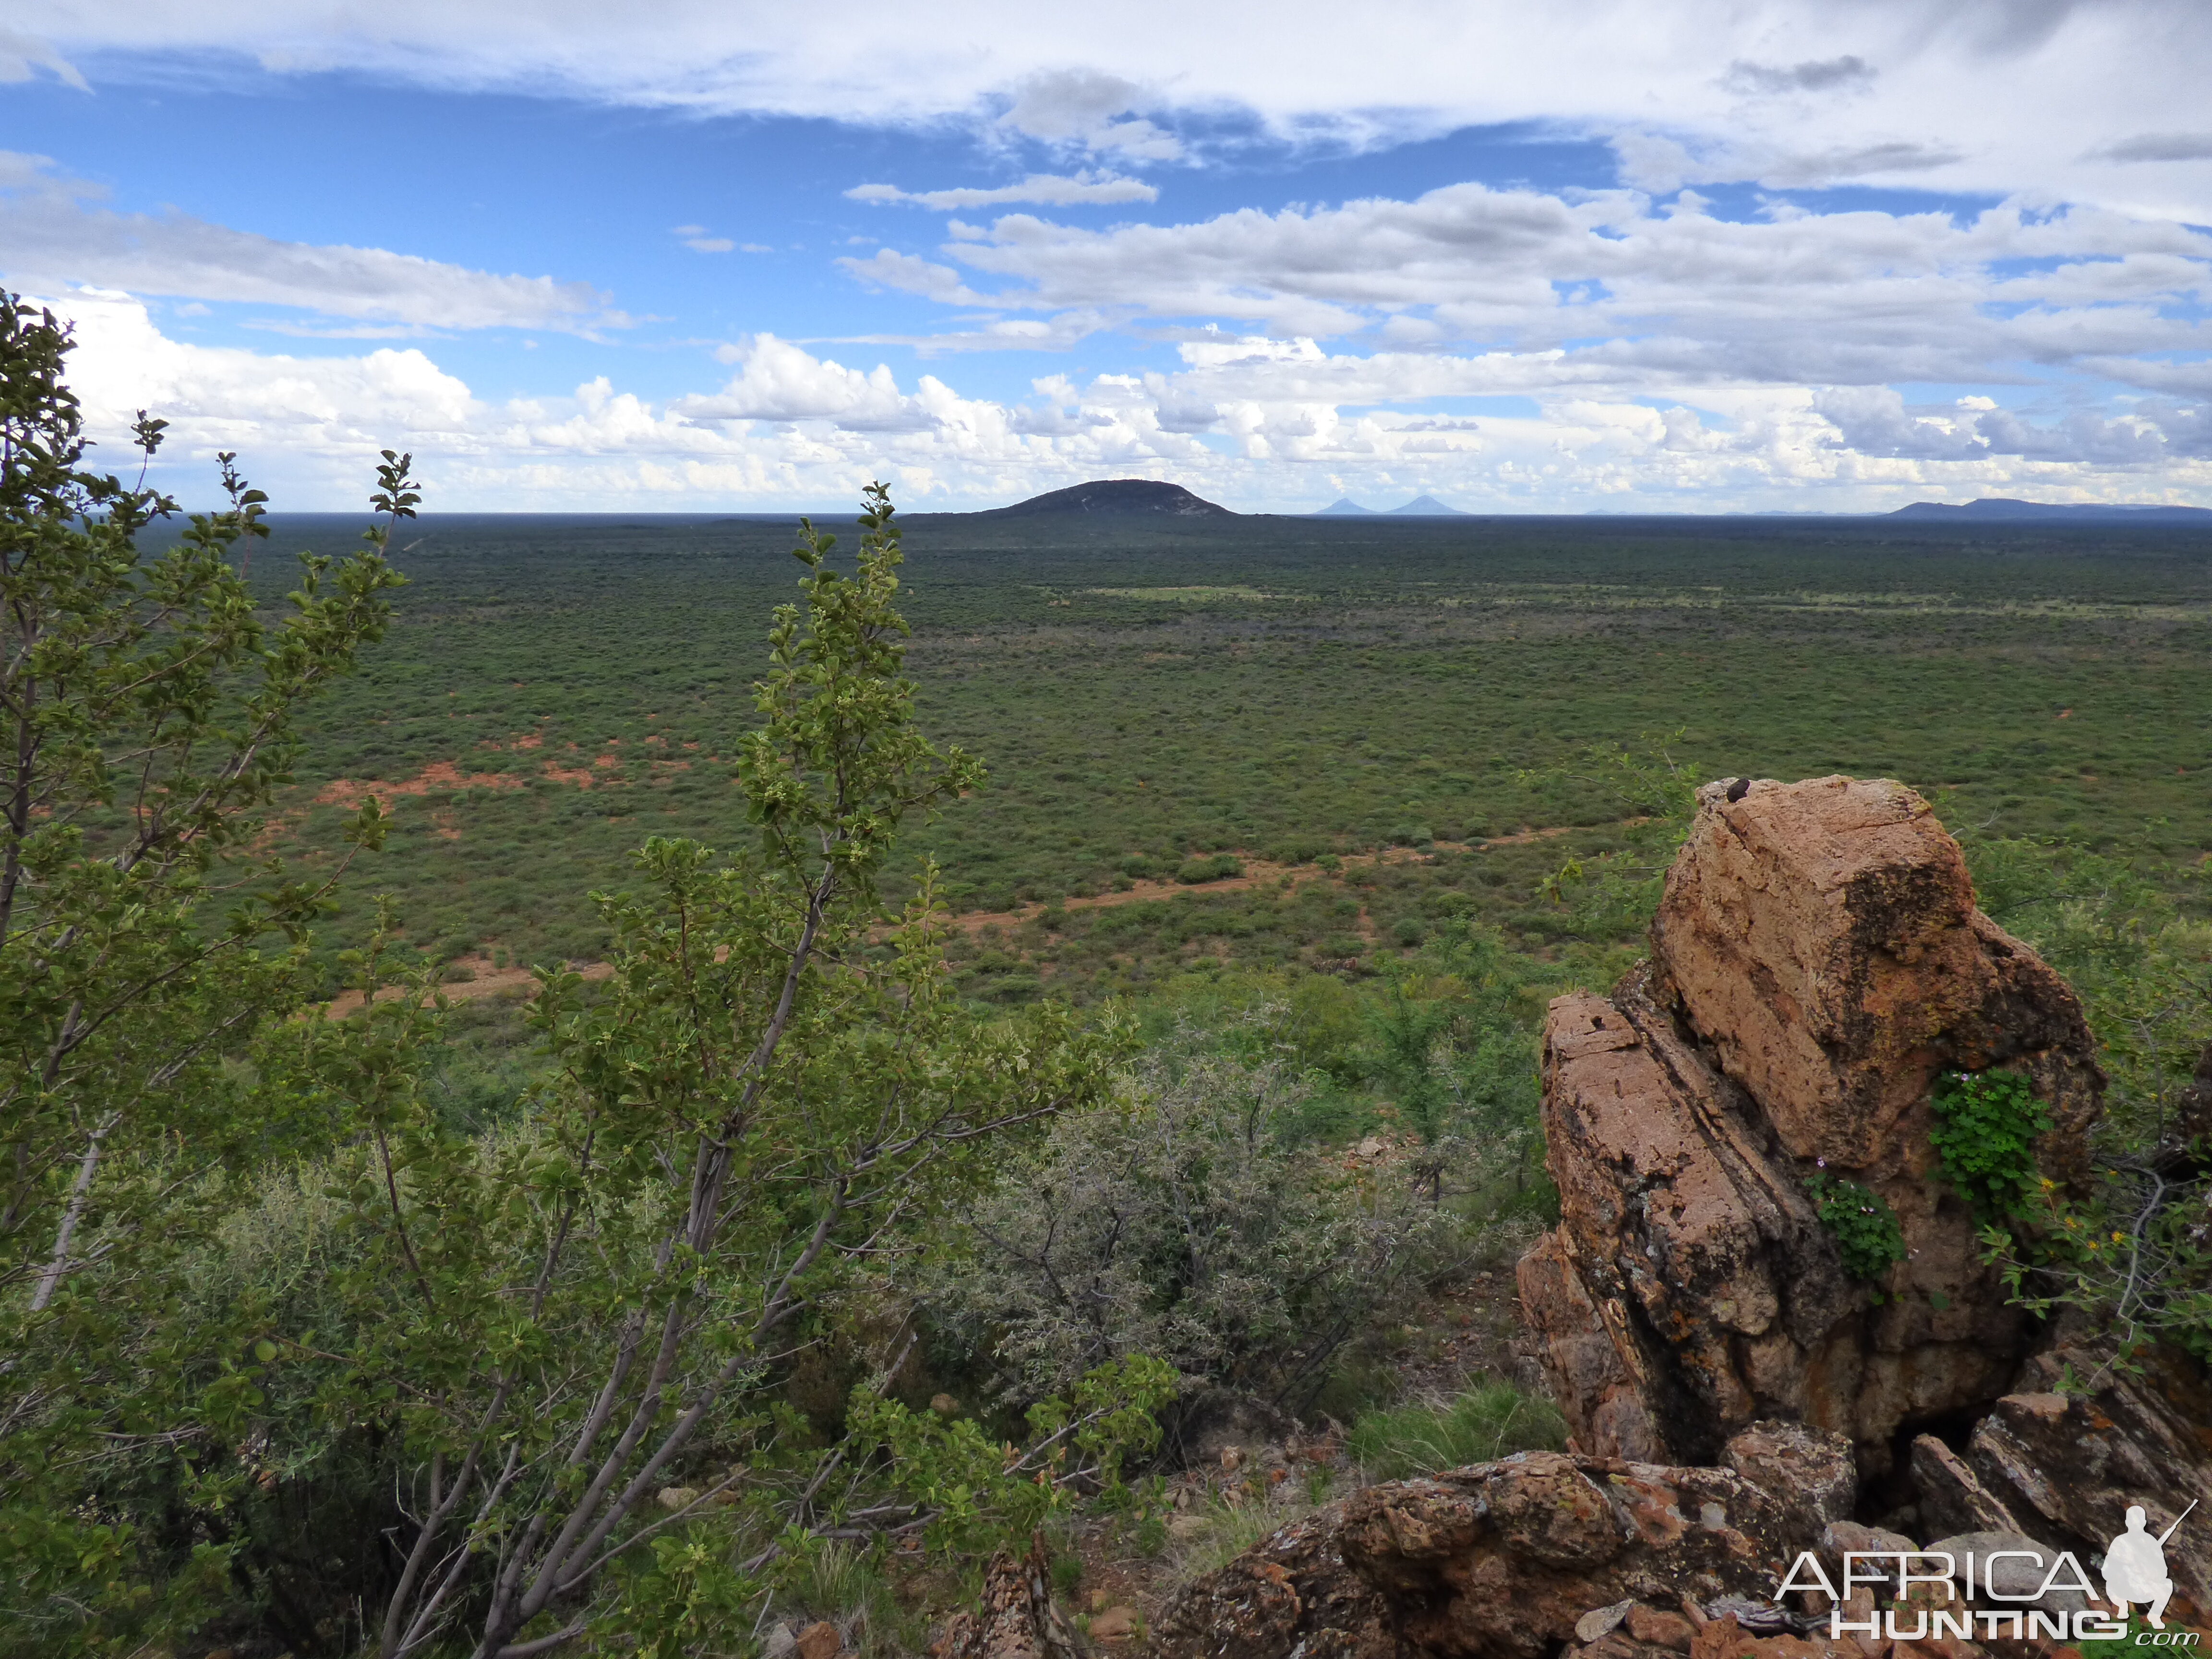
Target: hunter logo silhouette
(2135, 1567)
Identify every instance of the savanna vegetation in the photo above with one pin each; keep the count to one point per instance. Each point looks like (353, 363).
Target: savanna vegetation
(582, 1086)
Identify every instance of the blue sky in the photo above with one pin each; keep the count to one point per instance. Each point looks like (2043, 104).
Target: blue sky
(1692, 256)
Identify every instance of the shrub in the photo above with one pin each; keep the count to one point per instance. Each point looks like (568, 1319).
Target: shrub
(1212, 868)
(1492, 1420)
(1179, 1220)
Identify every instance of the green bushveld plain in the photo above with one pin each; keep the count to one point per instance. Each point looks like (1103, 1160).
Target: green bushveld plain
(1279, 688)
(810, 1242)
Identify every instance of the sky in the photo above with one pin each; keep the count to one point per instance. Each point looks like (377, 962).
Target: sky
(1616, 256)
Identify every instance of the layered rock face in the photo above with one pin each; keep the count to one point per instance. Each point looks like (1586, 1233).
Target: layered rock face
(1816, 961)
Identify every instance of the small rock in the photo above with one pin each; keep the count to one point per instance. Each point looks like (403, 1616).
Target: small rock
(780, 1639)
(1842, 1538)
(1114, 1625)
(943, 1405)
(676, 1497)
(818, 1641)
(1186, 1526)
(1098, 1599)
(1660, 1630)
(1600, 1621)
(1232, 1458)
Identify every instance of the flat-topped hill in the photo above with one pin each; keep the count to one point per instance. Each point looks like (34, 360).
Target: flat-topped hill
(1112, 495)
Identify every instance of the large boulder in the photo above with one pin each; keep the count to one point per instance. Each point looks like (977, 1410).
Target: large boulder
(1817, 961)
(1822, 938)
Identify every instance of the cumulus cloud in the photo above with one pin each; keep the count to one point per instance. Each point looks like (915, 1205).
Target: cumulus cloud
(1853, 297)
(1090, 110)
(53, 233)
(1256, 422)
(1044, 189)
(905, 273)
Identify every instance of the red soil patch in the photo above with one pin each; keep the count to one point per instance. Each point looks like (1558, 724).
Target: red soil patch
(489, 981)
(440, 774)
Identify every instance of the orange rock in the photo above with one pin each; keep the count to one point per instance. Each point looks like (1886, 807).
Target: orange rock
(1817, 960)
(1822, 937)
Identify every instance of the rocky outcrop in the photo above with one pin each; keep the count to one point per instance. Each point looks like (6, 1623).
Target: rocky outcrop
(1505, 1560)
(1816, 961)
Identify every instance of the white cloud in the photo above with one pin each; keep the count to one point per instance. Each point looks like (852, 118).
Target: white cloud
(22, 55)
(2014, 93)
(905, 273)
(1846, 297)
(1255, 423)
(52, 233)
(1044, 189)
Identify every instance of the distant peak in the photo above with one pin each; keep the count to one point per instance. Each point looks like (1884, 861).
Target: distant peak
(1428, 506)
(1344, 507)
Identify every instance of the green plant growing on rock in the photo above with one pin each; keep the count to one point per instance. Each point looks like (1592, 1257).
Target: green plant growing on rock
(1862, 1225)
(1986, 1123)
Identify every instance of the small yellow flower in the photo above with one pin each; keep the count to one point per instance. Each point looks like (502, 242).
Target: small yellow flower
(2119, 1238)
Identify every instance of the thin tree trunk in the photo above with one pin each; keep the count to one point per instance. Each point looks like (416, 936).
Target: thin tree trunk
(79, 1193)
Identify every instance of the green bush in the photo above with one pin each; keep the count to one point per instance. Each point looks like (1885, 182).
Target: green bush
(1986, 1123)
(1212, 868)
(1181, 1220)
(1494, 1419)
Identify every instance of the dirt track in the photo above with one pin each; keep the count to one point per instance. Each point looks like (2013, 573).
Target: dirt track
(487, 980)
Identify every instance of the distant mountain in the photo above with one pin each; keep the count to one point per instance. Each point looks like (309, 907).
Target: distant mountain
(1428, 506)
(1346, 508)
(1113, 497)
(2002, 509)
